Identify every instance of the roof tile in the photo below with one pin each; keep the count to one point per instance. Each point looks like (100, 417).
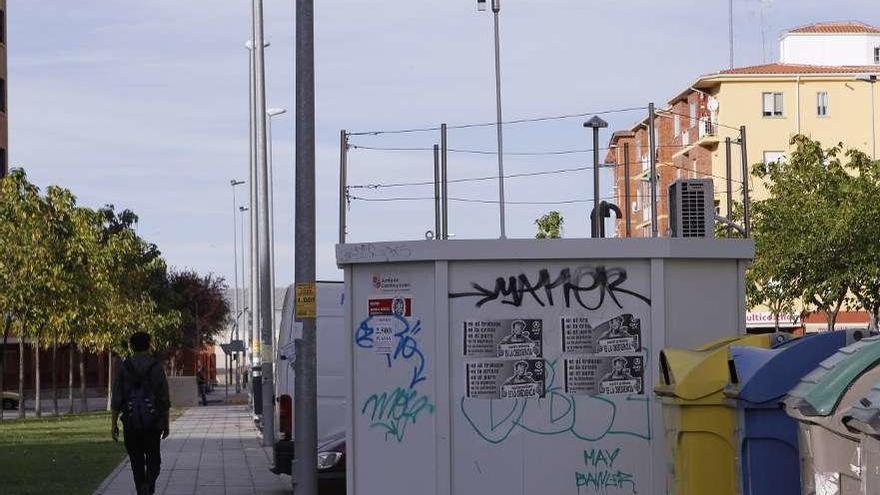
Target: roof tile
(840, 27)
(777, 68)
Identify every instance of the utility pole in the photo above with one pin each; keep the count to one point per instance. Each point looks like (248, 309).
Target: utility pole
(652, 154)
(244, 302)
(254, 312)
(236, 326)
(496, 13)
(265, 275)
(626, 189)
(306, 424)
(747, 216)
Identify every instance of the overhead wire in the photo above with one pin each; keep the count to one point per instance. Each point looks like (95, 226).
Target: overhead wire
(490, 124)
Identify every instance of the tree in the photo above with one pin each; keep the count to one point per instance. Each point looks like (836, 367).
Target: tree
(203, 309)
(549, 226)
(807, 232)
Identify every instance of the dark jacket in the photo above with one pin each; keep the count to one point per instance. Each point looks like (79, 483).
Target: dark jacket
(122, 381)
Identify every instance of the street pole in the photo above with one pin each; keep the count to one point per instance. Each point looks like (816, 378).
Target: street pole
(306, 440)
(496, 11)
(343, 184)
(652, 154)
(271, 113)
(254, 313)
(626, 188)
(747, 220)
(236, 321)
(728, 162)
(436, 191)
(444, 184)
(265, 248)
(595, 124)
(244, 306)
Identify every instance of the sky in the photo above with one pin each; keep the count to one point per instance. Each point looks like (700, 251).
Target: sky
(144, 104)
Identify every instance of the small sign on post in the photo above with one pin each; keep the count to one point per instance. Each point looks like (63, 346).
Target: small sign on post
(306, 306)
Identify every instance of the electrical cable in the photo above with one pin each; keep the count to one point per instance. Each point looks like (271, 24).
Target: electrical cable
(490, 124)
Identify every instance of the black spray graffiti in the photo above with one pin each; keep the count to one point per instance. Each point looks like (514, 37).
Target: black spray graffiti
(584, 281)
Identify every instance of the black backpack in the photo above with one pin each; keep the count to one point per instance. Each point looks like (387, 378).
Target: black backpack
(140, 405)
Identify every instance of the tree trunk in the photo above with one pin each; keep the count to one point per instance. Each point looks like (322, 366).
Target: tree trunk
(3, 360)
(38, 400)
(21, 373)
(70, 351)
(109, 380)
(55, 375)
(83, 400)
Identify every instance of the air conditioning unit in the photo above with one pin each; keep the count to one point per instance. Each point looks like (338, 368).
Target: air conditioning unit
(692, 208)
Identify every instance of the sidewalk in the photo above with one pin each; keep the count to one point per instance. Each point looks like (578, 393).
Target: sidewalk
(211, 450)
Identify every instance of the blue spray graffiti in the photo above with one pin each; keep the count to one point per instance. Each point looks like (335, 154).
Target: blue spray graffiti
(394, 411)
(556, 414)
(407, 348)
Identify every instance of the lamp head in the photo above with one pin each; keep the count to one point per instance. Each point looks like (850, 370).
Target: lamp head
(274, 112)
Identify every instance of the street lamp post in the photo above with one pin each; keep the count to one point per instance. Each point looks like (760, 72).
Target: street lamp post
(235, 322)
(596, 123)
(253, 364)
(871, 79)
(496, 11)
(245, 310)
(270, 113)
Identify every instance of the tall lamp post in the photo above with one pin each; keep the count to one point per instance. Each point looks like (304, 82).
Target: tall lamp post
(496, 11)
(270, 114)
(871, 79)
(595, 124)
(245, 310)
(235, 322)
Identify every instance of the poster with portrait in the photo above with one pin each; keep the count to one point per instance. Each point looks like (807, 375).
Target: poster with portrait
(505, 379)
(605, 375)
(619, 335)
(504, 339)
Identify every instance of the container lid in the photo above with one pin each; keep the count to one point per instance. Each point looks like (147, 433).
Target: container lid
(699, 373)
(762, 375)
(820, 391)
(864, 415)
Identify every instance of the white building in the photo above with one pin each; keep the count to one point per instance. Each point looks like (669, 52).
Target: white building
(847, 43)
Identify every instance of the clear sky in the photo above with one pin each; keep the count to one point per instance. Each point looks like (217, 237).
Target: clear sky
(143, 104)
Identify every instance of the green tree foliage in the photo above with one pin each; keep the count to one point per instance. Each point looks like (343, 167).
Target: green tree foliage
(816, 235)
(549, 226)
(70, 274)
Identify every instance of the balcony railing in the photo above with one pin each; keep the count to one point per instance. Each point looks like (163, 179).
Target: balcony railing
(707, 128)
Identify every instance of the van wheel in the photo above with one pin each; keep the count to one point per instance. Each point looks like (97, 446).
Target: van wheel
(10, 404)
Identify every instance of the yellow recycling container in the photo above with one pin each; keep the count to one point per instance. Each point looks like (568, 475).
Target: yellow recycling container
(699, 424)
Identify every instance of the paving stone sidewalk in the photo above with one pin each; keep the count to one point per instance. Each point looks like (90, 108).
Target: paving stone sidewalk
(211, 450)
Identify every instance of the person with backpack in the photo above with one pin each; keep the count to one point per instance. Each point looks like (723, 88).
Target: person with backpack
(140, 396)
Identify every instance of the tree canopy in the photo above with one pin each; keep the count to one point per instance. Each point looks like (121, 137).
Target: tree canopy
(817, 235)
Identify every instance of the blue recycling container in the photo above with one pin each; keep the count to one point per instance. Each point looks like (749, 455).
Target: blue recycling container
(769, 460)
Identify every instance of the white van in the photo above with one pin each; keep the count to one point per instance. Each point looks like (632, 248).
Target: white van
(332, 343)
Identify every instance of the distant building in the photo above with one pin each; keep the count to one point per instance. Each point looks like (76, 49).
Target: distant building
(822, 87)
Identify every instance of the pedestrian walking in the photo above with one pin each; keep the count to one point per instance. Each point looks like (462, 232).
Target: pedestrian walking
(140, 396)
(203, 385)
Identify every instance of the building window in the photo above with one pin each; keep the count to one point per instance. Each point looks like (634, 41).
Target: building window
(4, 168)
(676, 124)
(773, 156)
(3, 95)
(822, 103)
(877, 54)
(772, 104)
(2, 26)
(693, 114)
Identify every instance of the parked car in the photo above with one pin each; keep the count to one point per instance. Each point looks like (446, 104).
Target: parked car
(11, 400)
(331, 466)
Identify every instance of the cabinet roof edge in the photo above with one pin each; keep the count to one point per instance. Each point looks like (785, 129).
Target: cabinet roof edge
(533, 249)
